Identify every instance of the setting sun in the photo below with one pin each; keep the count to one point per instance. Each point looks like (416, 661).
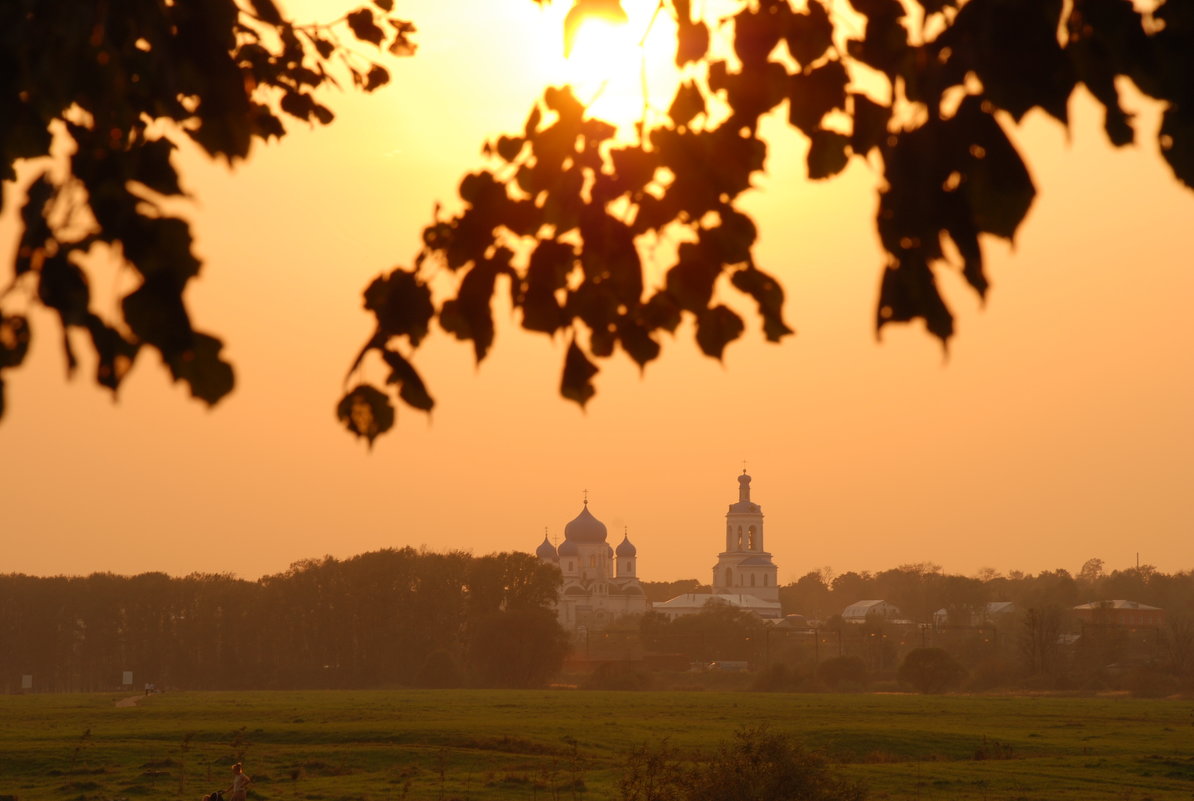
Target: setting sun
(621, 69)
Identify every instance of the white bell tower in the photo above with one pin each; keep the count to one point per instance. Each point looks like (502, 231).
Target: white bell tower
(745, 567)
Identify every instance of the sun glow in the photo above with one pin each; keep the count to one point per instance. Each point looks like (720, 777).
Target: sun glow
(622, 71)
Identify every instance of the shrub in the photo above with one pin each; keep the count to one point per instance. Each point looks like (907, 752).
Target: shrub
(757, 765)
(617, 676)
(772, 679)
(843, 673)
(930, 670)
(992, 673)
(439, 672)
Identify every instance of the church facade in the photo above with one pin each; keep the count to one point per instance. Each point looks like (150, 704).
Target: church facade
(745, 566)
(745, 575)
(600, 582)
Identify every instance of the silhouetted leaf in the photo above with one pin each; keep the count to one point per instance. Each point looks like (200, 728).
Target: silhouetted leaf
(14, 339)
(366, 412)
(1177, 142)
(153, 168)
(732, 239)
(210, 378)
(563, 101)
(323, 114)
(1012, 46)
(36, 231)
(769, 296)
(909, 291)
(998, 185)
(532, 123)
(870, 124)
(411, 388)
(1107, 38)
(159, 246)
(468, 316)
(755, 36)
(810, 33)
(879, 9)
(363, 26)
(401, 303)
(157, 316)
(688, 103)
(827, 154)
(636, 341)
(324, 47)
(267, 11)
(508, 147)
(814, 94)
(716, 328)
(298, 104)
(609, 256)
(576, 383)
(937, 6)
(958, 223)
(377, 76)
(661, 311)
(62, 286)
(884, 45)
(690, 282)
(692, 42)
(752, 93)
(114, 353)
(633, 167)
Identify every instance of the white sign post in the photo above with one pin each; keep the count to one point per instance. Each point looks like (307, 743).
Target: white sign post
(27, 682)
(128, 678)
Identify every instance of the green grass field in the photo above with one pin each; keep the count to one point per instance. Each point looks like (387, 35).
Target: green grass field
(561, 745)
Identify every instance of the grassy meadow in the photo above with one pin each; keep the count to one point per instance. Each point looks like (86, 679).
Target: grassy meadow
(561, 745)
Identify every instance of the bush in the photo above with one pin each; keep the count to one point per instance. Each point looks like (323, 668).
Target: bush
(843, 673)
(775, 678)
(1145, 682)
(931, 670)
(617, 676)
(991, 674)
(757, 765)
(439, 672)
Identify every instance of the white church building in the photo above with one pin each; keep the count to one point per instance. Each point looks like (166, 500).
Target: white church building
(601, 582)
(744, 576)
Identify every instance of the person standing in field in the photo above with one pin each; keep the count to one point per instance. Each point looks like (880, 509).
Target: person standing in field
(240, 784)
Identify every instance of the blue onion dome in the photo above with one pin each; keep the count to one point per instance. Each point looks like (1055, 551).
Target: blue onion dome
(626, 547)
(546, 550)
(568, 548)
(585, 528)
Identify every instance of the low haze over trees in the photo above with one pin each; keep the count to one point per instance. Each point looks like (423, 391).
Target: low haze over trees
(374, 620)
(417, 619)
(556, 224)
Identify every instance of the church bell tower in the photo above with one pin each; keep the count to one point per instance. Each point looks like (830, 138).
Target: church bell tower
(745, 566)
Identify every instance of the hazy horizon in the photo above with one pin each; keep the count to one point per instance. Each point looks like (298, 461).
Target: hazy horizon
(1058, 427)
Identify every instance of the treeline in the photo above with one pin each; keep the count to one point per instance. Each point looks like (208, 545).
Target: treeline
(1040, 642)
(386, 618)
(419, 619)
(920, 590)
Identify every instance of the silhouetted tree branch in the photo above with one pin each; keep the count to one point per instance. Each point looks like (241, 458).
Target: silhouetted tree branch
(923, 90)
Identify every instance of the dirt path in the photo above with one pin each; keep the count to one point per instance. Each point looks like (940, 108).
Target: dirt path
(132, 700)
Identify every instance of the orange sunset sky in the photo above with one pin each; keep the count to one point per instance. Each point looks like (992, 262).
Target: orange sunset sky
(1059, 428)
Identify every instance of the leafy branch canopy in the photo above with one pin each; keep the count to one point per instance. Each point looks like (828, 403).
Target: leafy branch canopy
(569, 213)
